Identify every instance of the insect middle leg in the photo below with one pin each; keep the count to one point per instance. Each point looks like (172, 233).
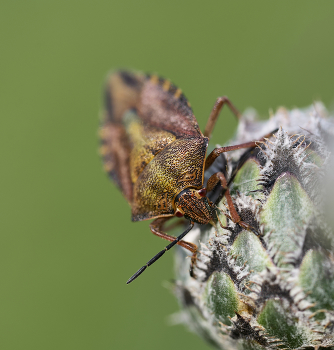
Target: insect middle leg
(218, 151)
(221, 101)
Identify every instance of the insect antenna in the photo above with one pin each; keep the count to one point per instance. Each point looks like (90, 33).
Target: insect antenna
(160, 254)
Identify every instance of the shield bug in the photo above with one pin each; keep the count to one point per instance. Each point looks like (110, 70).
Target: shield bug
(153, 149)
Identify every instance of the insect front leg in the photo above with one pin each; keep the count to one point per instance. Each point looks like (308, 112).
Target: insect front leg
(174, 240)
(221, 101)
(157, 227)
(220, 178)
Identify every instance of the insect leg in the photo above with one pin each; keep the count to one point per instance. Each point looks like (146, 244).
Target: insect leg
(156, 228)
(218, 151)
(215, 112)
(161, 253)
(212, 182)
(174, 225)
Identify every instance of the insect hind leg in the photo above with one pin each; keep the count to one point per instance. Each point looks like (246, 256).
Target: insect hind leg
(221, 101)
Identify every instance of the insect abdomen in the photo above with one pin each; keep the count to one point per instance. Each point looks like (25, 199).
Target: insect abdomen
(122, 93)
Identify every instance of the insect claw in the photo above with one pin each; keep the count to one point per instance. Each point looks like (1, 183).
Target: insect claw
(248, 227)
(191, 272)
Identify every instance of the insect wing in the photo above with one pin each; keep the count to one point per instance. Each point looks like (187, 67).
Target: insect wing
(162, 105)
(122, 93)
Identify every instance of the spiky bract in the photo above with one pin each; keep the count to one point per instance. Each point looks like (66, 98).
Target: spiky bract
(272, 286)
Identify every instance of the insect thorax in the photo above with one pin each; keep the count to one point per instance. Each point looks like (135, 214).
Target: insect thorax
(175, 168)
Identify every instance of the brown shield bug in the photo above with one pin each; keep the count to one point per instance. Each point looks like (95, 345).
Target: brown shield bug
(153, 149)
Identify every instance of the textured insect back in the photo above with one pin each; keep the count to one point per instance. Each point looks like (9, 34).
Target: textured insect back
(272, 287)
(165, 177)
(146, 142)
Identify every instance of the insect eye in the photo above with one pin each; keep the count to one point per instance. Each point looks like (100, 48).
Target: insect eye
(178, 214)
(202, 192)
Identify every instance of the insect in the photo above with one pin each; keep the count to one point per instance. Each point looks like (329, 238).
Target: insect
(153, 149)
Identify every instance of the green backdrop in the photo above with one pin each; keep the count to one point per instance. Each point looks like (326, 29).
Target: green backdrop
(67, 244)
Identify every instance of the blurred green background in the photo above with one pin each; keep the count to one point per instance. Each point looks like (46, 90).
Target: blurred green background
(67, 243)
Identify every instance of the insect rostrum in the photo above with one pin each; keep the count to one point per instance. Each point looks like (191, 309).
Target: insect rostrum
(153, 149)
